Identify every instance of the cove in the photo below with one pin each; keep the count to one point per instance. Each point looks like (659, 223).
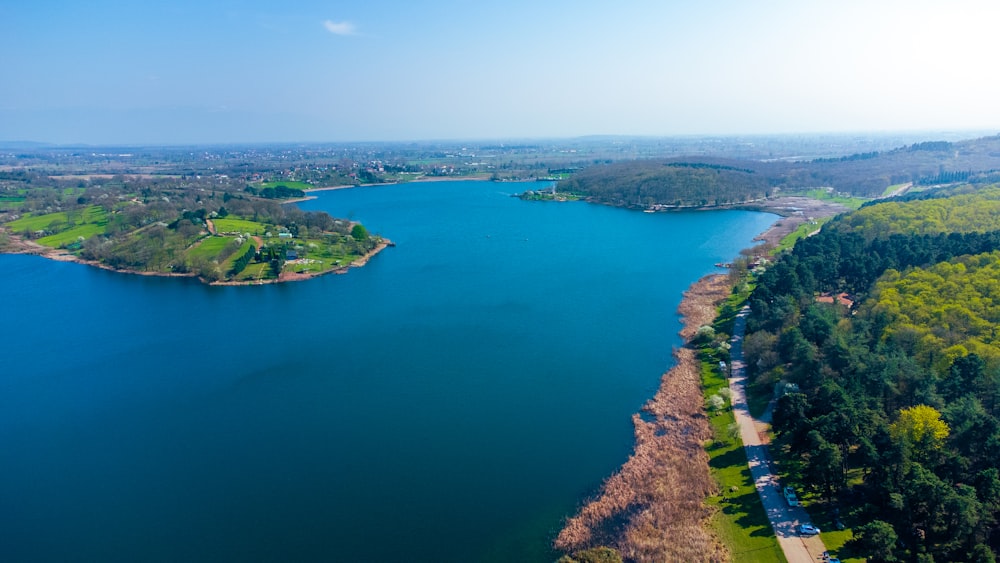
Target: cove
(453, 400)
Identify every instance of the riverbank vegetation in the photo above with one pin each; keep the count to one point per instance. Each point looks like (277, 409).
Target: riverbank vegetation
(877, 336)
(653, 508)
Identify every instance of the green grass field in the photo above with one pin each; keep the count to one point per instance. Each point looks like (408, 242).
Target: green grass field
(37, 222)
(255, 271)
(227, 264)
(327, 254)
(803, 231)
(892, 188)
(68, 237)
(741, 522)
(228, 225)
(826, 195)
(209, 248)
(92, 214)
(288, 184)
(11, 201)
(68, 225)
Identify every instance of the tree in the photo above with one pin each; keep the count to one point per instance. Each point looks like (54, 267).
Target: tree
(921, 428)
(716, 403)
(826, 465)
(981, 553)
(877, 539)
(359, 232)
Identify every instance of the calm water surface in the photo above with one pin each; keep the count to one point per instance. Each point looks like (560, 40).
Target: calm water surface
(453, 400)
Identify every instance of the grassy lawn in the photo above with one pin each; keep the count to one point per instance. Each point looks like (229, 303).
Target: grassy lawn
(288, 184)
(802, 232)
(741, 522)
(227, 264)
(92, 214)
(37, 222)
(228, 225)
(892, 188)
(210, 247)
(69, 225)
(255, 271)
(826, 195)
(327, 253)
(68, 237)
(11, 202)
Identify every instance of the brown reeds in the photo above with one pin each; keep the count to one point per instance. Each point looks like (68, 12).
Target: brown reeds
(653, 508)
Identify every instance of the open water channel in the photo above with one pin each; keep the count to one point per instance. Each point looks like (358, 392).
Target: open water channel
(453, 400)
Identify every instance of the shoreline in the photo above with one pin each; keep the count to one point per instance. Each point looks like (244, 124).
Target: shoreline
(349, 186)
(653, 507)
(18, 245)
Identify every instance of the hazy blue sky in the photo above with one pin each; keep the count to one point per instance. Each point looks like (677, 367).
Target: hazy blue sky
(182, 71)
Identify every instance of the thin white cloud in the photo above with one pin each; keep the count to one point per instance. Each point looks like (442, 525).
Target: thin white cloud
(340, 28)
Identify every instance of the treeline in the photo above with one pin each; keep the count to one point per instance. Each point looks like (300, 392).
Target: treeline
(713, 181)
(890, 410)
(977, 211)
(280, 191)
(649, 182)
(241, 263)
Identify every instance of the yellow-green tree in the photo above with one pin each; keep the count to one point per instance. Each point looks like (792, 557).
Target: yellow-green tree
(921, 428)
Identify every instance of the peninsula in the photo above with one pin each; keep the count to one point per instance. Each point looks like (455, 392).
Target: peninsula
(182, 227)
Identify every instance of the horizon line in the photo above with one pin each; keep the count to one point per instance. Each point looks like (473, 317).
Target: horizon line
(4, 144)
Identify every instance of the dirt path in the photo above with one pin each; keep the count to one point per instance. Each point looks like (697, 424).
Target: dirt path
(784, 519)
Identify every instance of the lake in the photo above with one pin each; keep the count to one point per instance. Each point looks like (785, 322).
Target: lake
(453, 400)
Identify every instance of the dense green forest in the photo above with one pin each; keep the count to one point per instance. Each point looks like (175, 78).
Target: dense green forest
(719, 181)
(888, 401)
(645, 183)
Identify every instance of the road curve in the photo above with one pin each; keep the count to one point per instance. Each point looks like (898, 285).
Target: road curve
(784, 519)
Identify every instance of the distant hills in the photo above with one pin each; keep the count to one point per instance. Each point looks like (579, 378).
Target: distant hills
(716, 181)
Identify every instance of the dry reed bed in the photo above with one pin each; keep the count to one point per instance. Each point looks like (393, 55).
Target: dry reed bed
(653, 508)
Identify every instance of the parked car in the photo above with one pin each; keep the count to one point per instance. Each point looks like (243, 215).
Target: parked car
(808, 530)
(790, 496)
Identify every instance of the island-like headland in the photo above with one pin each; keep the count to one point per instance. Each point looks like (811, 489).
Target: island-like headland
(19, 245)
(222, 236)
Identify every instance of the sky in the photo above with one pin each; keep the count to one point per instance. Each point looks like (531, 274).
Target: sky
(208, 71)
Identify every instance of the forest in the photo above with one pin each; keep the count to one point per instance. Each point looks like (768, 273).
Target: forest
(711, 181)
(878, 339)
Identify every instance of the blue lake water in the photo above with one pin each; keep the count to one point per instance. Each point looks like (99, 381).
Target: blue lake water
(453, 400)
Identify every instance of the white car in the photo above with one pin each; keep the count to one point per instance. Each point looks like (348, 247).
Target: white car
(808, 530)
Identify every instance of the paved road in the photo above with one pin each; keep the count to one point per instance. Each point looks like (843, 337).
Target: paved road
(784, 519)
